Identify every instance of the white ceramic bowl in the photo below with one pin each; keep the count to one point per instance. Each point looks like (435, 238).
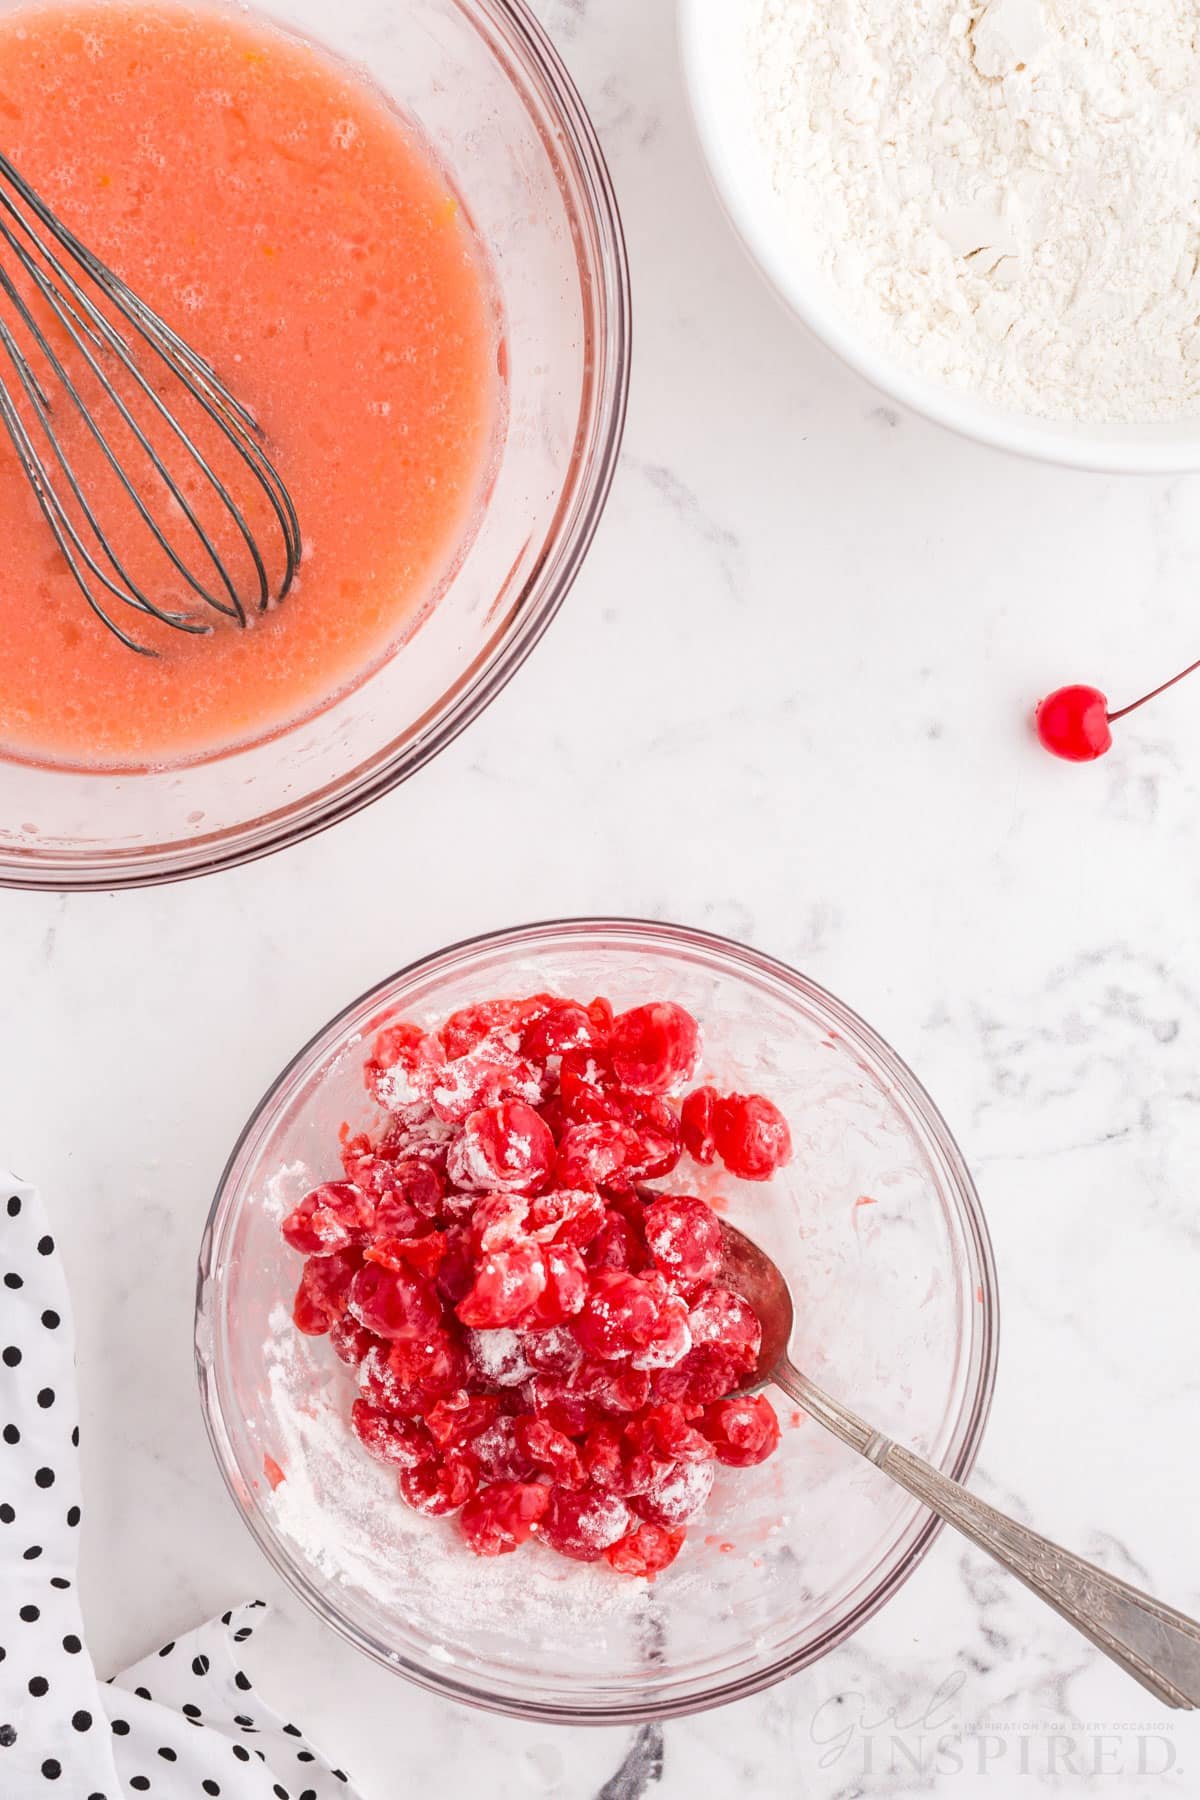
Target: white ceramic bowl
(711, 36)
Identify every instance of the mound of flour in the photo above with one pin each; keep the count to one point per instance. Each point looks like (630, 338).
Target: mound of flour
(343, 1515)
(1006, 193)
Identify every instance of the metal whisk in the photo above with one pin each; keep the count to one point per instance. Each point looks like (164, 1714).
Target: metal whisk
(46, 273)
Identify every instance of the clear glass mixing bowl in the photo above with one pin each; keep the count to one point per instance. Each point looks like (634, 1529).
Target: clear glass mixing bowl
(487, 88)
(879, 1229)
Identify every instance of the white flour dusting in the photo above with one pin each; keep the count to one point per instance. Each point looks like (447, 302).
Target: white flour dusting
(343, 1513)
(1006, 193)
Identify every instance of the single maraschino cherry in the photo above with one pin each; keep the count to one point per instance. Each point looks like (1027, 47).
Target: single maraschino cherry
(1074, 722)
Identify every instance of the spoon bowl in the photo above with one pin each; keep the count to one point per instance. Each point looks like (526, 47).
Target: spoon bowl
(749, 1271)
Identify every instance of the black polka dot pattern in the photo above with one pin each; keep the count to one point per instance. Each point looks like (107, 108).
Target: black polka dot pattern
(39, 1478)
(171, 1726)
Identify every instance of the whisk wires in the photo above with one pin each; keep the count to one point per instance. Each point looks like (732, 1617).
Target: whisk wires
(58, 273)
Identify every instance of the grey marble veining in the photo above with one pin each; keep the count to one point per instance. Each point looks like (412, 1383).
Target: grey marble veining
(787, 700)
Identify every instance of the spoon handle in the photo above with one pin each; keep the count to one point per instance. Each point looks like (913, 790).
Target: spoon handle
(1157, 1645)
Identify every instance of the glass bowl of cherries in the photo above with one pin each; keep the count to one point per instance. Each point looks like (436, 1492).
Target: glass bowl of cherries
(465, 1355)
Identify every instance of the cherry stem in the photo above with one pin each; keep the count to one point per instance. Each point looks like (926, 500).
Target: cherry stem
(1154, 692)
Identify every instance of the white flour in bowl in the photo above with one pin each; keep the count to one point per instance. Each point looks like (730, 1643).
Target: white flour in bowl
(1005, 193)
(342, 1511)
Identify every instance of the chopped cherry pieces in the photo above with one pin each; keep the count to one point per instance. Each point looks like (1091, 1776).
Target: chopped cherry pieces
(683, 1236)
(564, 1403)
(707, 1372)
(671, 1339)
(696, 1122)
(410, 1377)
(456, 1271)
(660, 1142)
(616, 1245)
(583, 1525)
(664, 1431)
(404, 1067)
(349, 1340)
(603, 1458)
(424, 1253)
(612, 1387)
(500, 1452)
(332, 1217)
(469, 1026)
(442, 1484)
(550, 1449)
(719, 1316)
(621, 1314)
(324, 1290)
(459, 1416)
(498, 1221)
(413, 1184)
(539, 1340)
(742, 1431)
(505, 1148)
(570, 1216)
(752, 1136)
(504, 1516)
(507, 1285)
(605, 1154)
(566, 1286)
(394, 1302)
(423, 1140)
(498, 1357)
(403, 1443)
(564, 1026)
(676, 1495)
(554, 1351)
(490, 1072)
(654, 1048)
(647, 1550)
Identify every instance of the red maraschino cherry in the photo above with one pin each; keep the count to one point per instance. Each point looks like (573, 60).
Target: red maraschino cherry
(1074, 722)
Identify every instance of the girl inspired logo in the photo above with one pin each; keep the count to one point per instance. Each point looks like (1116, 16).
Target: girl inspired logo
(933, 1739)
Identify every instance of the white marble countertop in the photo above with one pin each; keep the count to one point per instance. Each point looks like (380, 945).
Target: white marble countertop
(806, 643)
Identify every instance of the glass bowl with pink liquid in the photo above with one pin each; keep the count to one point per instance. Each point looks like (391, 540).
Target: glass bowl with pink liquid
(487, 95)
(875, 1222)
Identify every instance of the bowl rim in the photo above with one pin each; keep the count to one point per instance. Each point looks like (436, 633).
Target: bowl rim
(518, 41)
(1101, 449)
(908, 1551)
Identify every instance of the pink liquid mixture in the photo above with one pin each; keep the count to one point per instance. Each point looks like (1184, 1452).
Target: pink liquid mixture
(285, 221)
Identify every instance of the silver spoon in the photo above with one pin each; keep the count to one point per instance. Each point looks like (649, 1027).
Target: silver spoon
(1155, 1644)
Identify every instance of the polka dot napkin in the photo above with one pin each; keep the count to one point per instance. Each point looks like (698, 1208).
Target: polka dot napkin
(185, 1724)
